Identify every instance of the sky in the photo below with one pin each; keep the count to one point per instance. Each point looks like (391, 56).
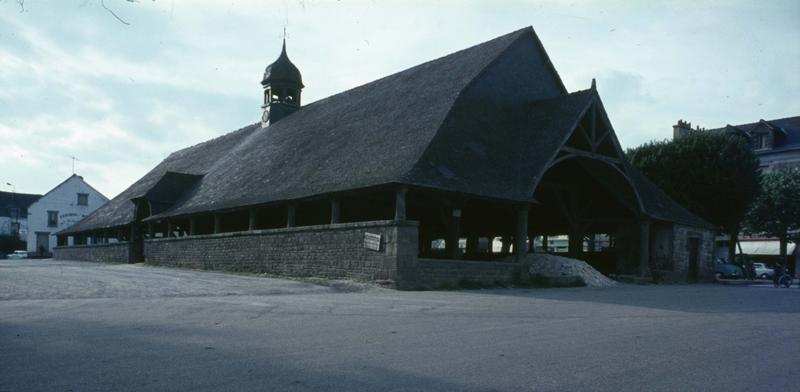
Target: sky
(120, 84)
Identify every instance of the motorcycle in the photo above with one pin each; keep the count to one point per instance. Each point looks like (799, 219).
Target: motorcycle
(784, 279)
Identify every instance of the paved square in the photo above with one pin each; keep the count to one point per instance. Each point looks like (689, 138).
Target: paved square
(77, 326)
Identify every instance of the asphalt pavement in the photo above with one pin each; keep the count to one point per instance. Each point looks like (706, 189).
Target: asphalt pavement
(79, 326)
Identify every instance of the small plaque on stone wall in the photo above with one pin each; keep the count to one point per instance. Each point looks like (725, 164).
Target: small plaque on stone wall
(372, 241)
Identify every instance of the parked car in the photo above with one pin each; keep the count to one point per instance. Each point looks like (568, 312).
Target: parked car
(18, 254)
(728, 271)
(762, 271)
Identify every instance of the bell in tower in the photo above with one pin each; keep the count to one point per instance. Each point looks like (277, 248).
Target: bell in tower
(282, 86)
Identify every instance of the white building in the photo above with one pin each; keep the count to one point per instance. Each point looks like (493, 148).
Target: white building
(64, 205)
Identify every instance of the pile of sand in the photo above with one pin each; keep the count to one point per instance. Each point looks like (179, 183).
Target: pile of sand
(550, 266)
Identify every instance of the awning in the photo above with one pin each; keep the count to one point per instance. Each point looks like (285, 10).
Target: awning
(765, 248)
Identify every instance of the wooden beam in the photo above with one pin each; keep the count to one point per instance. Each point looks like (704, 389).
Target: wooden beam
(335, 211)
(291, 215)
(591, 155)
(217, 223)
(521, 235)
(252, 218)
(644, 247)
(400, 204)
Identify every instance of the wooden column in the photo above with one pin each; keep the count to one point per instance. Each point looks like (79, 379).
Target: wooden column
(575, 246)
(135, 239)
(545, 242)
(521, 234)
(335, 211)
(291, 214)
(506, 247)
(217, 223)
(644, 247)
(151, 230)
(400, 204)
(472, 244)
(252, 220)
(193, 226)
(170, 228)
(453, 234)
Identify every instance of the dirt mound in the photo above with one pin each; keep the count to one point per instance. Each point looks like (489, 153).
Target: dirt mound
(550, 266)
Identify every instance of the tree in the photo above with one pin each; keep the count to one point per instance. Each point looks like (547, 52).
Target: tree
(776, 209)
(713, 174)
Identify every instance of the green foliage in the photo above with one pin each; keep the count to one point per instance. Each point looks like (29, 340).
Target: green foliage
(776, 209)
(713, 174)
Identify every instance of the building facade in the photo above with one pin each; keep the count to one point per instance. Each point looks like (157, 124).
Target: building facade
(61, 207)
(387, 180)
(776, 143)
(14, 213)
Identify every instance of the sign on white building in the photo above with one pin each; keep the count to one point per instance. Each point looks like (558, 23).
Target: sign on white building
(63, 206)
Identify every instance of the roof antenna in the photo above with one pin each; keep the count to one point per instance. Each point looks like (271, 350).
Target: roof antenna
(73, 163)
(594, 85)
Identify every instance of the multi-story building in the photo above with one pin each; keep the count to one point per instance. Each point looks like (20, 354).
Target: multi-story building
(14, 213)
(776, 143)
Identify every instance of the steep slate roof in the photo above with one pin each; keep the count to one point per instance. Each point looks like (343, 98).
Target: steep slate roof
(67, 180)
(437, 125)
(789, 127)
(658, 205)
(21, 201)
(498, 150)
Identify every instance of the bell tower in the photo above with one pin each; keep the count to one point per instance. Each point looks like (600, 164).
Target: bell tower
(282, 85)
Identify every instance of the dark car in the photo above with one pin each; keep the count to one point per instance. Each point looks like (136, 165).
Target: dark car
(727, 271)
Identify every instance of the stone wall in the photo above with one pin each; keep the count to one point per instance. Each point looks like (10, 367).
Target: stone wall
(434, 273)
(680, 252)
(104, 253)
(330, 251)
(661, 246)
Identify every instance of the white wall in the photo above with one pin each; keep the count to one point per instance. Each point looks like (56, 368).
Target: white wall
(64, 199)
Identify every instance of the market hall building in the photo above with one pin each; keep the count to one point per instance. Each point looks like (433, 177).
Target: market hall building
(405, 180)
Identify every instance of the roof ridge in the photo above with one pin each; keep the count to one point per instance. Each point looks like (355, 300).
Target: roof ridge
(420, 65)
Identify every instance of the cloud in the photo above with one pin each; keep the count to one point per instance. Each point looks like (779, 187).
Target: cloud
(75, 81)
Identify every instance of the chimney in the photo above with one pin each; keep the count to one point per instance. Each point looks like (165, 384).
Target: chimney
(681, 129)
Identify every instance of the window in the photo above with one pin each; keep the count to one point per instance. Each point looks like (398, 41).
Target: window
(52, 218)
(13, 212)
(83, 199)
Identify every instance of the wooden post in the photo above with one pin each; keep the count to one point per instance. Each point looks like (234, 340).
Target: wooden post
(453, 234)
(575, 246)
(472, 244)
(545, 242)
(521, 235)
(335, 211)
(193, 225)
(506, 247)
(644, 247)
(170, 228)
(400, 204)
(217, 223)
(151, 229)
(291, 214)
(252, 221)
